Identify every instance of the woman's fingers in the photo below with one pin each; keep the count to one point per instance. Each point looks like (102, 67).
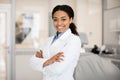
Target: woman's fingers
(56, 58)
(60, 54)
(59, 57)
(59, 60)
(39, 54)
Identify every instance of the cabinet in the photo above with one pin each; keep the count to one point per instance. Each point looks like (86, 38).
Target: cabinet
(111, 21)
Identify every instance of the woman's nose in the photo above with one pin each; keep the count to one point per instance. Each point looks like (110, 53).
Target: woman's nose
(59, 22)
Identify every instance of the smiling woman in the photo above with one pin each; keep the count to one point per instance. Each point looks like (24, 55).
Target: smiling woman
(61, 21)
(59, 53)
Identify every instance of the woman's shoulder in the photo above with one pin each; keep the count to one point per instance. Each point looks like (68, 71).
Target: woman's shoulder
(73, 36)
(74, 40)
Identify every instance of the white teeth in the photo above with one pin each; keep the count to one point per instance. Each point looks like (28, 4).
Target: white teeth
(60, 27)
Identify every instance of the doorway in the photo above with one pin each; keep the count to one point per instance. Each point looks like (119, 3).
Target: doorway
(5, 60)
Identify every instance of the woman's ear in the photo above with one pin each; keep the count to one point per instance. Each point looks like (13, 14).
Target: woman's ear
(71, 20)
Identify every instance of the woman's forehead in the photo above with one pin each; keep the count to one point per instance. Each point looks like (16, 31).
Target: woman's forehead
(59, 14)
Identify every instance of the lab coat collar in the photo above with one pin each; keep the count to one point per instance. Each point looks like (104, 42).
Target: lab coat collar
(65, 35)
(62, 37)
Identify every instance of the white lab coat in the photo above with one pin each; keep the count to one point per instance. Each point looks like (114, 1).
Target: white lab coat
(70, 45)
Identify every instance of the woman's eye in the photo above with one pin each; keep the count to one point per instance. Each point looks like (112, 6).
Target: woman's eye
(54, 19)
(58, 20)
(63, 19)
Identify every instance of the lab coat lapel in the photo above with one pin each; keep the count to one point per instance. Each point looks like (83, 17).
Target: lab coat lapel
(58, 45)
(66, 35)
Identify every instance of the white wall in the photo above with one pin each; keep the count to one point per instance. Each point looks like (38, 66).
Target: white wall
(53, 3)
(89, 20)
(5, 1)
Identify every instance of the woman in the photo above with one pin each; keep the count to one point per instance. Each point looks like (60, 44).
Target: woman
(59, 55)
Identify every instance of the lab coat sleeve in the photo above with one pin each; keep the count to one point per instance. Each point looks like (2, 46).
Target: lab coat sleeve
(37, 63)
(71, 55)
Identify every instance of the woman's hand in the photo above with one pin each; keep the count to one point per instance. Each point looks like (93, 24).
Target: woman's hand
(39, 54)
(55, 58)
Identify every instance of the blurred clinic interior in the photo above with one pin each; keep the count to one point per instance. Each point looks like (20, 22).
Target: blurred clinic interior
(25, 24)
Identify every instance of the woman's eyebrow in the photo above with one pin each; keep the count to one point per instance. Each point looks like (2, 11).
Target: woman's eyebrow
(61, 17)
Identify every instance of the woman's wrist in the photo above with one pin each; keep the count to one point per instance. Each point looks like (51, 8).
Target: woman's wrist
(48, 62)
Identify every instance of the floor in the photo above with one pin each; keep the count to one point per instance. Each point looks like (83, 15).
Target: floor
(2, 75)
(2, 65)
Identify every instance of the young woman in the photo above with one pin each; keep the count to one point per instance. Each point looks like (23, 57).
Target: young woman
(59, 55)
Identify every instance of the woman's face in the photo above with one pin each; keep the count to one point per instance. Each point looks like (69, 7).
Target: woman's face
(61, 21)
